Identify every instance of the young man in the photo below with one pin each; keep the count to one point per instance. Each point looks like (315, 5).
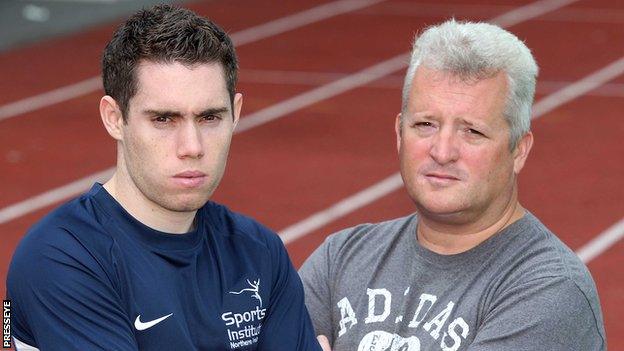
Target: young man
(145, 261)
(471, 269)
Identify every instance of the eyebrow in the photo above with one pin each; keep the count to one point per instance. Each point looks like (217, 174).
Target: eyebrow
(206, 112)
(422, 114)
(213, 111)
(471, 124)
(427, 115)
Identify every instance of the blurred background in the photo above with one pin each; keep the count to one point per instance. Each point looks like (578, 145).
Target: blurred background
(315, 150)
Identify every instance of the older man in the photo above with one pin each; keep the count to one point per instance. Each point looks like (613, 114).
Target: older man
(471, 269)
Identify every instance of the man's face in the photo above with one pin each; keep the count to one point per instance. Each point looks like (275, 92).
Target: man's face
(454, 147)
(177, 136)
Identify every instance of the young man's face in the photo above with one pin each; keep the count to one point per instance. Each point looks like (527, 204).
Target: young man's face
(454, 147)
(177, 136)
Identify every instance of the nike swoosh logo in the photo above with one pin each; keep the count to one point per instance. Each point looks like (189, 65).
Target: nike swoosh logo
(142, 326)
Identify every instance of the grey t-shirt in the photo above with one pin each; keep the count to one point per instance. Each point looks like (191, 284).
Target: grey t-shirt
(373, 287)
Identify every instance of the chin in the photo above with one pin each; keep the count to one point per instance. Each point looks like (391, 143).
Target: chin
(439, 209)
(185, 206)
(184, 203)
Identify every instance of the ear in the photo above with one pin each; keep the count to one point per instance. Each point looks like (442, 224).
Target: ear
(111, 117)
(521, 152)
(398, 129)
(238, 105)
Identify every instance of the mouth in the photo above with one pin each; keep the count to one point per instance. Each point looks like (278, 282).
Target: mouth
(441, 179)
(190, 179)
(441, 176)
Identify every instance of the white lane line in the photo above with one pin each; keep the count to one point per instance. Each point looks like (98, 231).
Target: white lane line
(602, 242)
(324, 92)
(242, 37)
(9, 213)
(341, 208)
(52, 97)
(529, 11)
(394, 81)
(300, 19)
(567, 15)
(581, 87)
(390, 184)
(53, 196)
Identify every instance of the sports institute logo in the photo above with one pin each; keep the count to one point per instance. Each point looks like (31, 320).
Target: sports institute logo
(243, 327)
(254, 289)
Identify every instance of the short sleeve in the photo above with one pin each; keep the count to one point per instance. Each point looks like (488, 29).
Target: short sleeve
(549, 313)
(62, 297)
(315, 276)
(287, 324)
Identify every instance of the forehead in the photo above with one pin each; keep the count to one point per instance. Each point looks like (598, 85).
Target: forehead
(177, 85)
(447, 93)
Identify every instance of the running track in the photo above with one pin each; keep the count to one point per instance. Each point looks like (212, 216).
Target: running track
(317, 136)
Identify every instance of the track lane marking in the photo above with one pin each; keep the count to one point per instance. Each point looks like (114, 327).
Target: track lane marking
(300, 19)
(579, 88)
(275, 111)
(394, 81)
(595, 15)
(242, 37)
(323, 92)
(341, 208)
(602, 242)
(62, 94)
(53, 196)
(529, 11)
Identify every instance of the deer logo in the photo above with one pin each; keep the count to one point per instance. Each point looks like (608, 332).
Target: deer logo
(254, 289)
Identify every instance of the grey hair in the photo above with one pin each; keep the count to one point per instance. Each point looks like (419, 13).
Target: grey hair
(475, 51)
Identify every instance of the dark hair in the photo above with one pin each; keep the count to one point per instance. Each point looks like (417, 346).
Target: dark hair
(164, 34)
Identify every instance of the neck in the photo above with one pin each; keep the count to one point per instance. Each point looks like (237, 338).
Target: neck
(123, 189)
(449, 239)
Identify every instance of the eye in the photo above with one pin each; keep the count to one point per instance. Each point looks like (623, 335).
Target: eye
(474, 132)
(423, 124)
(162, 119)
(210, 118)
(424, 128)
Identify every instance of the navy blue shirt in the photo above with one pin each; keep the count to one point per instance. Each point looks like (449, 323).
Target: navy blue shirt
(91, 277)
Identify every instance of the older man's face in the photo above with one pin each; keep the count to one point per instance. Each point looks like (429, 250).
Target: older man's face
(454, 147)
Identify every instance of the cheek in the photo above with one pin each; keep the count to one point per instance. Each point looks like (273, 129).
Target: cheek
(412, 157)
(414, 149)
(146, 154)
(217, 144)
(491, 168)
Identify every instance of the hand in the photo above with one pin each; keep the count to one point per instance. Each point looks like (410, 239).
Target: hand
(322, 339)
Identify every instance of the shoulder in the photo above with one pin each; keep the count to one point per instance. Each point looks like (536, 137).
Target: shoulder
(549, 313)
(235, 227)
(369, 236)
(76, 223)
(534, 260)
(65, 252)
(359, 248)
(554, 306)
(536, 252)
(73, 235)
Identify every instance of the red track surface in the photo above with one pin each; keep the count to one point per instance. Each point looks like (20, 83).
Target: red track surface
(288, 169)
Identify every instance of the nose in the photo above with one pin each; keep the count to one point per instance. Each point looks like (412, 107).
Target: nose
(190, 143)
(444, 148)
